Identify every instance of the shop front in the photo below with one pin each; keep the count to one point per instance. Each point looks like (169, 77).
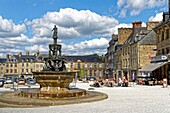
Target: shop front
(158, 69)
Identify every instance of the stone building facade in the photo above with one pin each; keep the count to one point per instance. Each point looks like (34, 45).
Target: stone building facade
(114, 45)
(163, 49)
(109, 57)
(2, 66)
(22, 65)
(136, 51)
(86, 66)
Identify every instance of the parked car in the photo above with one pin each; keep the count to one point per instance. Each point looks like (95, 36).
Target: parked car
(8, 80)
(21, 81)
(31, 81)
(1, 82)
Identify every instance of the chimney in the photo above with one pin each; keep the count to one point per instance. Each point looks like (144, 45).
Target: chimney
(20, 54)
(7, 56)
(27, 53)
(151, 24)
(37, 53)
(137, 24)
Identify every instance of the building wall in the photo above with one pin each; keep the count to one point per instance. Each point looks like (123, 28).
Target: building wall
(163, 48)
(89, 68)
(11, 68)
(2, 69)
(123, 34)
(118, 64)
(163, 40)
(145, 54)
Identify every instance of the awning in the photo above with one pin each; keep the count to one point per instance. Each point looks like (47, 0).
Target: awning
(153, 66)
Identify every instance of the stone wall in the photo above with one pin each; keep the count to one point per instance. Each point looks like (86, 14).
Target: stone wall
(145, 53)
(123, 34)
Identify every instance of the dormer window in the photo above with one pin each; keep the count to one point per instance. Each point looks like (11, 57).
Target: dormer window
(23, 60)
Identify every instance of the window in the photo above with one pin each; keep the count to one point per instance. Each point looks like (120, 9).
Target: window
(90, 72)
(71, 65)
(95, 73)
(27, 64)
(22, 70)
(167, 50)
(167, 33)
(6, 70)
(90, 65)
(26, 70)
(100, 65)
(163, 52)
(23, 64)
(85, 65)
(15, 70)
(11, 70)
(78, 65)
(15, 64)
(11, 65)
(100, 73)
(162, 35)
(37, 65)
(7, 65)
(95, 65)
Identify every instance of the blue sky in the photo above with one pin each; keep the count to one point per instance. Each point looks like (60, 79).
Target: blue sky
(85, 26)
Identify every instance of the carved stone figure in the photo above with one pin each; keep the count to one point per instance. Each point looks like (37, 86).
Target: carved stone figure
(54, 61)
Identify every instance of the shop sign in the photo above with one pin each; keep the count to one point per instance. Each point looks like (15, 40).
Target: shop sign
(160, 58)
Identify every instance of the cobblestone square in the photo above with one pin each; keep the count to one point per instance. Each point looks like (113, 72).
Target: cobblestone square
(135, 99)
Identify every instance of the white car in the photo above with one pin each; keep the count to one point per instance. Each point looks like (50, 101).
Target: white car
(8, 81)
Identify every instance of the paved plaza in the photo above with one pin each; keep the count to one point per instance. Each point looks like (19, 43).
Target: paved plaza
(135, 99)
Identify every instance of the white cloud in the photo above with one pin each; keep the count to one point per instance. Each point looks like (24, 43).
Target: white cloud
(157, 17)
(72, 23)
(120, 3)
(9, 29)
(34, 48)
(134, 12)
(136, 6)
(98, 46)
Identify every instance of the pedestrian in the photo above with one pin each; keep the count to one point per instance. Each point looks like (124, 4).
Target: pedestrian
(120, 82)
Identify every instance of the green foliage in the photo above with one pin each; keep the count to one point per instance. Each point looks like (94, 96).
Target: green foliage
(102, 57)
(81, 73)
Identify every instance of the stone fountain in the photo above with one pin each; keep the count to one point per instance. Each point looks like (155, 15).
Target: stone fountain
(54, 79)
(54, 83)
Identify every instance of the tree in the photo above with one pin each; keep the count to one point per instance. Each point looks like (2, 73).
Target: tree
(81, 73)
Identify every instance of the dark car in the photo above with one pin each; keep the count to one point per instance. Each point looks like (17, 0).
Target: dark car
(1, 82)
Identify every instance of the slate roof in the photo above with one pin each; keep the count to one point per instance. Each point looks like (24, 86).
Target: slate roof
(25, 58)
(131, 38)
(118, 46)
(3, 60)
(86, 58)
(149, 39)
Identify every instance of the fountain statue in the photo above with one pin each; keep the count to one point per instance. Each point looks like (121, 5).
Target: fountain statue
(54, 80)
(54, 62)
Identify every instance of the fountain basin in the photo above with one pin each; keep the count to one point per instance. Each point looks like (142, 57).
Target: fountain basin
(54, 81)
(53, 85)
